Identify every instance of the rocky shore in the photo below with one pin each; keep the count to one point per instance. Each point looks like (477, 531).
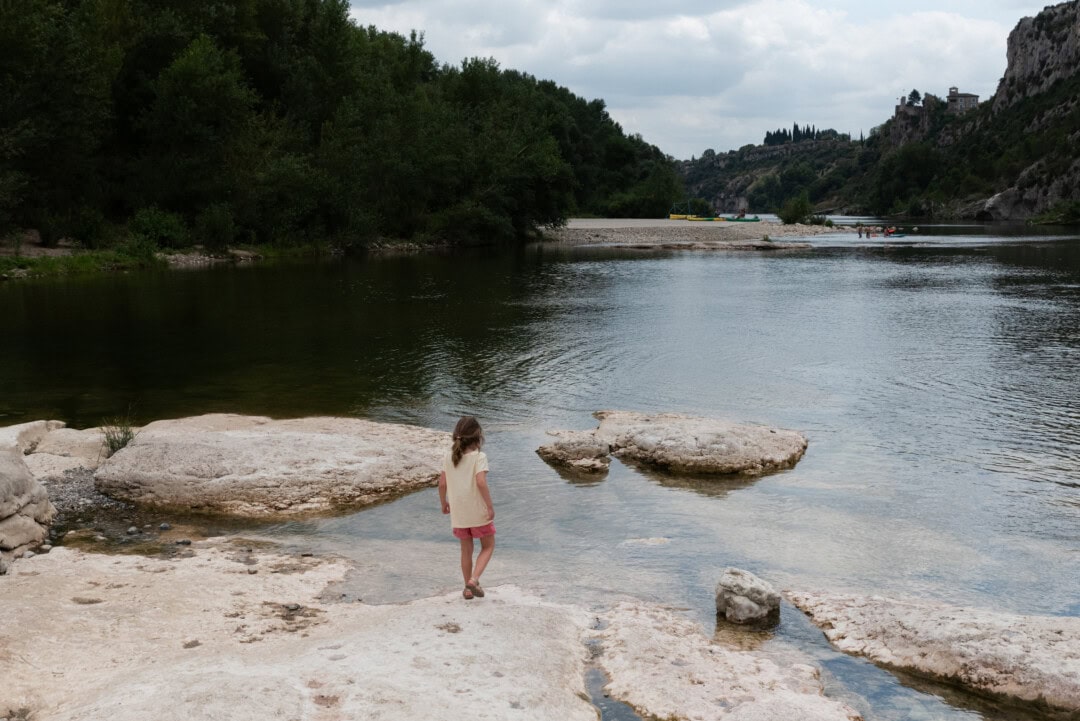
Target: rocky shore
(241, 632)
(689, 235)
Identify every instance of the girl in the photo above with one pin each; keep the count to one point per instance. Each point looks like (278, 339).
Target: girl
(464, 494)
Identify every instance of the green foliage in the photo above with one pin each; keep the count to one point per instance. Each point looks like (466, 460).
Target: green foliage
(119, 431)
(215, 227)
(1066, 212)
(282, 122)
(796, 209)
(160, 227)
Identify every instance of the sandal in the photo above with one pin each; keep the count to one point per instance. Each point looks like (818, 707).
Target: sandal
(467, 593)
(474, 586)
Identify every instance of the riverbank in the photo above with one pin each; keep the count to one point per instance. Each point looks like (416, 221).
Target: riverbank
(238, 628)
(667, 234)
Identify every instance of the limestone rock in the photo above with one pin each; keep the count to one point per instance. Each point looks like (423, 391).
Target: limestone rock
(578, 451)
(255, 466)
(270, 647)
(25, 511)
(1030, 658)
(680, 443)
(665, 667)
(26, 436)
(742, 597)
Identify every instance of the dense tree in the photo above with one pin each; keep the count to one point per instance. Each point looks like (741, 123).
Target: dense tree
(281, 121)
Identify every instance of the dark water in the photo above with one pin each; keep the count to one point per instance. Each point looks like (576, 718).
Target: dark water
(937, 380)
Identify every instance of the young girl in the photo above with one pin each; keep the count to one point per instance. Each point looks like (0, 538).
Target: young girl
(464, 494)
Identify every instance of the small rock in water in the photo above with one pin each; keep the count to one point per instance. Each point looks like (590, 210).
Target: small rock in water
(183, 542)
(165, 527)
(132, 530)
(100, 538)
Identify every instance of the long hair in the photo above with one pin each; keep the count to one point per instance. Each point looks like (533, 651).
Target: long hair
(467, 433)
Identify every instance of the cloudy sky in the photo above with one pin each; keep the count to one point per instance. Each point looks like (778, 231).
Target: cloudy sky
(689, 75)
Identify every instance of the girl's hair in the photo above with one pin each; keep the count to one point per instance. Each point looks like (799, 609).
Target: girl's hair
(467, 434)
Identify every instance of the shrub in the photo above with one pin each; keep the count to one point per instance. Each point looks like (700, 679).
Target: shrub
(215, 227)
(119, 431)
(162, 228)
(795, 210)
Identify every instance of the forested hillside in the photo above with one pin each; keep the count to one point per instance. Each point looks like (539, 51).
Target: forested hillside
(281, 121)
(1015, 156)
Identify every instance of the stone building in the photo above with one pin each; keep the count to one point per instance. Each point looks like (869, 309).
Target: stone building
(960, 103)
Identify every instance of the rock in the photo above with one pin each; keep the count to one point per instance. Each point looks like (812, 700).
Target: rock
(132, 530)
(28, 554)
(26, 436)
(45, 548)
(65, 449)
(3, 566)
(666, 667)
(253, 466)
(184, 542)
(316, 664)
(25, 510)
(577, 450)
(679, 443)
(165, 527)
(1029, 658)
(742, 597)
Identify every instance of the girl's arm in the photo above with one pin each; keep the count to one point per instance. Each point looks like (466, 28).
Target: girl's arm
(485, 493)
(442, 493)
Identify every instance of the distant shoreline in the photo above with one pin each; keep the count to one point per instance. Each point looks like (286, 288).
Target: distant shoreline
(662, 233)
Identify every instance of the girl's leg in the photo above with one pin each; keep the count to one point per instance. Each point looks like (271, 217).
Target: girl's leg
(487, 547)
(466, 558)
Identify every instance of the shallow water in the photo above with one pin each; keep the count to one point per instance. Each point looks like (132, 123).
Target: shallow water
(936, 380)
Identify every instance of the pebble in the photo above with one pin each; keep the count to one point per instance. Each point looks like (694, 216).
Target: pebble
(100, 538)
(292, 606)
(253, 571)
(165, 527)
(29, 554)
(45, 547)
(183, 542)
(132, 530)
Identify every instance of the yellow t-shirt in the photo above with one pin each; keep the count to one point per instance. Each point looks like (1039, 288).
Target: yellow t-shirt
(467, 507)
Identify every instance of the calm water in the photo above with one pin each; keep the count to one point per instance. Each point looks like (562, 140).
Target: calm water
(936, 379)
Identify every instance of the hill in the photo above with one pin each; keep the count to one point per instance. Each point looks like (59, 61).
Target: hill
(1014, 156)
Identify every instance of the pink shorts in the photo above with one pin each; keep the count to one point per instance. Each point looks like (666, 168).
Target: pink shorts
(475, 531)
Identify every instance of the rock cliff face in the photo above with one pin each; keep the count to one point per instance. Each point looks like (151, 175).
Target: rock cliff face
(1042, 50)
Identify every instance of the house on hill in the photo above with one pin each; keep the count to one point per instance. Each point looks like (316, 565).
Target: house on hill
(959, 103)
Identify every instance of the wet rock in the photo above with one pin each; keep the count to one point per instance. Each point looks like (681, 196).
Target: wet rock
(1029, 658)
(132, 530)
(666, 667)
(253, 466)
(743, 598)
(680, 444)
(577, 450)
(184, 542)
(165, 527)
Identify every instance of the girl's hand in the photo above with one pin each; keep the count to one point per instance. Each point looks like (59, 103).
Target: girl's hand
(445, 507)
(491, 514)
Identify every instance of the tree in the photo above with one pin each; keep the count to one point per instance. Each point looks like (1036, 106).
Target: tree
(914, 98)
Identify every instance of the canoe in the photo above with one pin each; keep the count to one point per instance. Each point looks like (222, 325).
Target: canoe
(678, 216)
(734, 219)
(699, 217)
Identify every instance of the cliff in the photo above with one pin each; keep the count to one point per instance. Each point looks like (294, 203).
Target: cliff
(1014, 157)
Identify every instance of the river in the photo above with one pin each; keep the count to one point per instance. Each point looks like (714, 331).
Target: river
(936, 377)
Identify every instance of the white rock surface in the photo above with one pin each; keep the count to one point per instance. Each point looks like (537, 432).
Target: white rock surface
(665, 667)
(679, 443)
(742, 597)
(25, 510)
(127, 638)
(579, 451)
(26, 436)
(1023, 657)
(256, 466)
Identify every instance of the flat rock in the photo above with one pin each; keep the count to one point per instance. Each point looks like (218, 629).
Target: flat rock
(665, 666)
(678, 443)
(743, 598)
(255, 466)
(199, 638)
(1029, 658)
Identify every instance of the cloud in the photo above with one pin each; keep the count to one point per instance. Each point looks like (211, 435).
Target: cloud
(692, 75)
